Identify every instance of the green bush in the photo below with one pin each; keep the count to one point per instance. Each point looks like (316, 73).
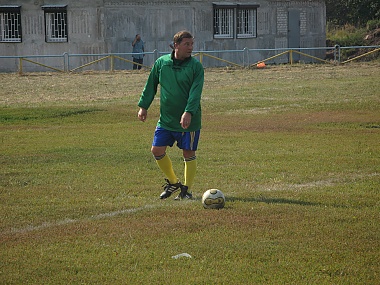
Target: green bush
(373, 24)
(347, 35)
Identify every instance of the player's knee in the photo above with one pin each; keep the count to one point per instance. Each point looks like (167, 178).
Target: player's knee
(188, 153)
(157, 151)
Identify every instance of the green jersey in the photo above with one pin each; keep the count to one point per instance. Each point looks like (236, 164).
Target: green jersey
(181, 84)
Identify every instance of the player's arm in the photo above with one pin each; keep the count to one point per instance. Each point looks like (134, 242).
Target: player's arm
(148, 93)
(142, 114)
(185, 120)
(195, 91)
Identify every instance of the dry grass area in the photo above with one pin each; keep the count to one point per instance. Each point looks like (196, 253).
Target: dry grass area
(47, 88)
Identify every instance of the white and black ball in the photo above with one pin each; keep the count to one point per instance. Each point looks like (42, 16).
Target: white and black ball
(213, 199)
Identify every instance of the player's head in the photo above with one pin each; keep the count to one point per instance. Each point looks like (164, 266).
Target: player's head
(183, 45)
(178, 37)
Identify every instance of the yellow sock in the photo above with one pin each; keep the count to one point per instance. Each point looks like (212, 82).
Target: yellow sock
(190, 171)
(165, 164)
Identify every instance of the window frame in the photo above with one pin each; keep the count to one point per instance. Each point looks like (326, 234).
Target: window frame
(251, 27)
(234, 20)
(10, 32)
(227, 19)
(56, 24)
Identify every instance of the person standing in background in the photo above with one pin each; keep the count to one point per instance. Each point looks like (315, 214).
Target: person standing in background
(138, 49)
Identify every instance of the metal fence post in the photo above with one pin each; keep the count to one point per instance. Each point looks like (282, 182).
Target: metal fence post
(65, 65)
(245, 57)
(68, 62)
(112, 63)
(337, 53)
(291, 56)
(20, 66)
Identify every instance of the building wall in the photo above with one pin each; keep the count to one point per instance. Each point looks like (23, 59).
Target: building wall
(109, 26)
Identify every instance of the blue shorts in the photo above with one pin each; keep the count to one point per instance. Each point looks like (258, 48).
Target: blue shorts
(185, 140)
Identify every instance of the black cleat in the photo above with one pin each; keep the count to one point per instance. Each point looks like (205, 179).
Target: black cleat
(169, 189)
(184, 194)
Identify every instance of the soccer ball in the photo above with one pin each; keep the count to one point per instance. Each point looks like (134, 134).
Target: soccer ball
(213, 199)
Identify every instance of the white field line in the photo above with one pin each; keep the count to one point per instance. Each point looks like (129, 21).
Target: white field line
(72, 221)
(319, 183)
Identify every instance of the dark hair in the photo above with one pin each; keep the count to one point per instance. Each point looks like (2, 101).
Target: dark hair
(178, 37)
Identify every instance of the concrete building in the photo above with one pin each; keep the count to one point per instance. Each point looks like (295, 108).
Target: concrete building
(55, 27)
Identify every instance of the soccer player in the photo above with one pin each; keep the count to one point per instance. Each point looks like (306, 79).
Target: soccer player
(181, 79)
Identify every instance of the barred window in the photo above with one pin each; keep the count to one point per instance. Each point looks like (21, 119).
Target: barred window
(230, 17)
(10, 24)
(223, 22)
(55, 23)
(246, 22)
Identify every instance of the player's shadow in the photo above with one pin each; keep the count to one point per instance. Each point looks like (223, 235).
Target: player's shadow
(272, 201)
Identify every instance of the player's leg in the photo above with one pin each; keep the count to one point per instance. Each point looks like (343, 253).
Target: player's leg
(190, 160)
(164, 163)
(189, 145)
(161, 140)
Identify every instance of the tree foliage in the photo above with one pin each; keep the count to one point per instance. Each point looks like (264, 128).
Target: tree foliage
(354, 12)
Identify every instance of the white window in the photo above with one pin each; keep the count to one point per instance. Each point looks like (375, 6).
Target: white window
(55, 23)
(246, 22)
(10, 24)
(230, 17)
(223, 22)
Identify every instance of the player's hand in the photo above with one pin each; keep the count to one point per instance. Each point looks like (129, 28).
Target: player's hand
(142, 114)
(185, 120)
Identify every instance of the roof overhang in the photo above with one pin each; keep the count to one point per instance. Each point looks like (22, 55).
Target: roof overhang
(10, 8)
(48, 8)
(234, 5)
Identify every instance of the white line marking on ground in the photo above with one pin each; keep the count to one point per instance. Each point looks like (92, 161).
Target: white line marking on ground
(72, 221)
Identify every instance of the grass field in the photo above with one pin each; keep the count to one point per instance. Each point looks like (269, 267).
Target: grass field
(295, 149)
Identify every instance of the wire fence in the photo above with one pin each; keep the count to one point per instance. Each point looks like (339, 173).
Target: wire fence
(245, 58)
